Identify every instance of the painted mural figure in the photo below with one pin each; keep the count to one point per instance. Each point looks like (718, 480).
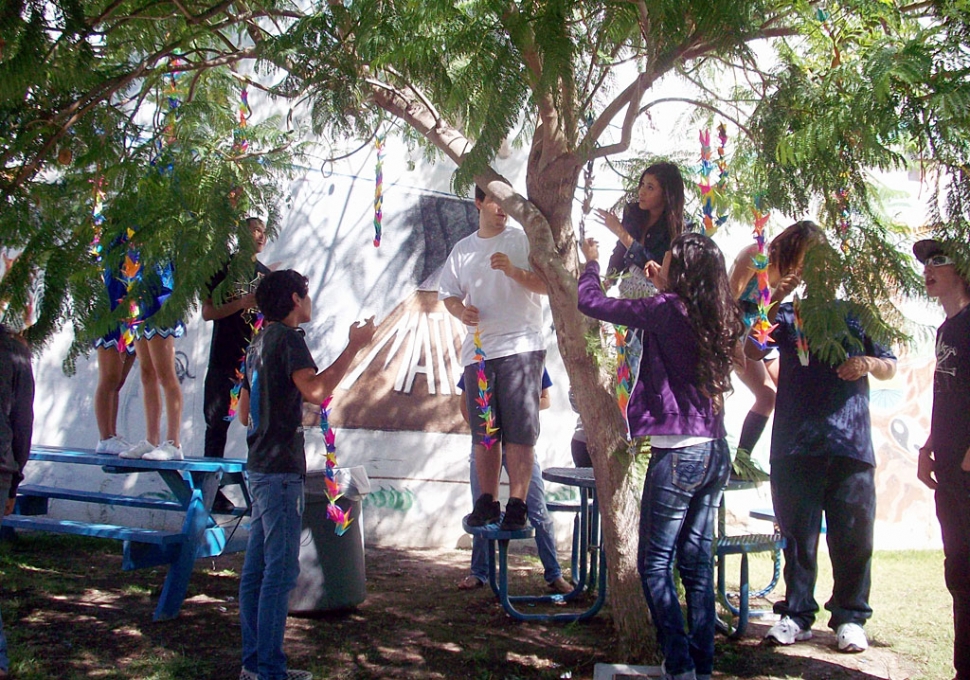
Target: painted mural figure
(691, 331)
(280, 376)
(539, 515)
(786, 254)
(488, 285)
(822, 460)
(233, 324)
(16, 427)
(944, 460)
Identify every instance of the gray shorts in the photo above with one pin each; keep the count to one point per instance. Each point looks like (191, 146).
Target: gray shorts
(515, 383)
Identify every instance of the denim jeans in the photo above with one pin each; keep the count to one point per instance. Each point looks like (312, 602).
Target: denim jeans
(539, 517)
(270, 570)
(677, 518)
(802, 488)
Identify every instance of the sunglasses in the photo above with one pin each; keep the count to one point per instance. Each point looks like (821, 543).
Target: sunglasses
(938, 261)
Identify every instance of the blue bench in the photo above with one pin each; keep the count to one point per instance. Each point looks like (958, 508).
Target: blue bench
(193, 482)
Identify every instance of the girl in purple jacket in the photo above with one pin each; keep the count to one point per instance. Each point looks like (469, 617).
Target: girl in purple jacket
(691, 332)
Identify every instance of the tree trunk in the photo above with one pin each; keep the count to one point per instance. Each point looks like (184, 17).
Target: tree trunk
(619, 481)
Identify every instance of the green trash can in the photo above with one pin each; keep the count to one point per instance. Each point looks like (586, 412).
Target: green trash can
(331, 567)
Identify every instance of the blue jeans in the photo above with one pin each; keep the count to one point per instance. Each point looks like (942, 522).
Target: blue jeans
(539, 517)
(677, 518)
(270, 570)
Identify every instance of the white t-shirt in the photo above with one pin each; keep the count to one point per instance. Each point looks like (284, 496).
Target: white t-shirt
(510, 316)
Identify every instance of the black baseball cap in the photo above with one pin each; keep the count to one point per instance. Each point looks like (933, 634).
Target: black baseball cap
(927, 248)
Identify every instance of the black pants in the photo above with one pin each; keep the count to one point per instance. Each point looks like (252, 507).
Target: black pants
(802, 488)
(953, 511)
(218, 383)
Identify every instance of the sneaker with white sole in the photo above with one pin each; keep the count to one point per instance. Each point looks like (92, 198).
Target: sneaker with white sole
(165, 451)
(138, 450)
(298, 675)
(112, 446)
(852, 638)
(247, 675)
(787, 632)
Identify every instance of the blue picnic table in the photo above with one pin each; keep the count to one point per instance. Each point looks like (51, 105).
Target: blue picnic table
(193, 482)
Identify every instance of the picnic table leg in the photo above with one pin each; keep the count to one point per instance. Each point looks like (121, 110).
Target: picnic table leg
(180, 571)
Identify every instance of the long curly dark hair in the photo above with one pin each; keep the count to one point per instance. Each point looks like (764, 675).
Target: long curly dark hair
(697, 275)
(672, 182)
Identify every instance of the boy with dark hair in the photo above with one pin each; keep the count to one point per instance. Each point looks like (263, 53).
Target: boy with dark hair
(280, 376)
(944, 460)
(16, 427)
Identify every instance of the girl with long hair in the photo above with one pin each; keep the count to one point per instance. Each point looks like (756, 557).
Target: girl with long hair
(648, 226)
(691, 334)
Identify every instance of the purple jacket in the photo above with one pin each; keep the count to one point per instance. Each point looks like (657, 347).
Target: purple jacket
(664, 399)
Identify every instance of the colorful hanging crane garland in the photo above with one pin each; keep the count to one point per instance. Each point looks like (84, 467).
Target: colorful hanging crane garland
(711, 195)
(484, 399)
(622, 369)
(587, 198)
(761, 328)
(240, 136)
(335, 513)
(378, 189)
(801, 341)
(240, 145)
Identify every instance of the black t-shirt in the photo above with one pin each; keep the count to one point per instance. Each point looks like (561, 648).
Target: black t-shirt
(232, 334)
(275, 434)
(951, 392)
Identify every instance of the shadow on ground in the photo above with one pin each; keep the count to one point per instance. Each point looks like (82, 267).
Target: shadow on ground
(70, 612)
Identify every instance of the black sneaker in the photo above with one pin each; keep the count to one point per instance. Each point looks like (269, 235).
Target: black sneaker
(486, 511)
(516, 515)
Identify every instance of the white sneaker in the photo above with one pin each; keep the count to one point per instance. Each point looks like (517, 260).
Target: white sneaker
(138, 450)
(787, 632)
(112, 446)
(298, 675)
(165, 451)
(247, 675)
(852, 638)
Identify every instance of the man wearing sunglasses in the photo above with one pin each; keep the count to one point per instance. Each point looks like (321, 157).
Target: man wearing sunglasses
(944, 460)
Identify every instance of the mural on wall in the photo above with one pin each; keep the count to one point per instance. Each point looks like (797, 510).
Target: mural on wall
(405, 379)
(900, 424)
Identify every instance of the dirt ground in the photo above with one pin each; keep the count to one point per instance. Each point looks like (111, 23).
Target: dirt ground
(90, 619)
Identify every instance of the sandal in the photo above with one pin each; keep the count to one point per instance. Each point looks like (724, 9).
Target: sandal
(470, 583)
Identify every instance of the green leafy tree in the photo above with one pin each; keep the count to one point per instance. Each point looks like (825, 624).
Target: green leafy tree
(823, 92)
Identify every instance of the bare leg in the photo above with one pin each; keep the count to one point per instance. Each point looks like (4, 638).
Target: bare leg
(519, 460)
(110, 380)
(162, 351)
(756, 378)
(488, 466)
(151, 397)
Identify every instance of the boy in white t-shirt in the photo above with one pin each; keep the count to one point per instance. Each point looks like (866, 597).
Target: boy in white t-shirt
(487, 283)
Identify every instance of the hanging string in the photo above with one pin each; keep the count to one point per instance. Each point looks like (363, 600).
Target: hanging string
(484, 399)
(587, 198)
(761, 329)
(340, 517)
(378, 189)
